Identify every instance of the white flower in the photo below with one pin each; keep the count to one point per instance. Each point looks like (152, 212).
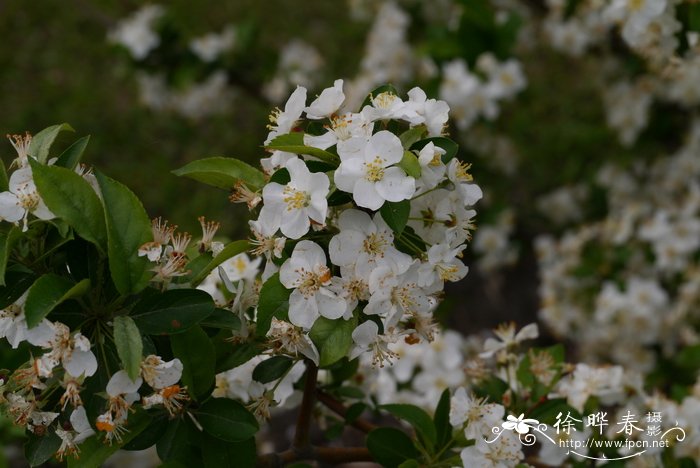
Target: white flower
(135, 32)
(505, 452)
(292, 207)
(13, 326)
(434, 113)
(292, 340)
(159, 373)
(366, 244)
(80, 430)
(341, 132)
(282, 122)
(370, 175)
(432, 167)
(507, 338)
(387, 106)
(210, 46)
(22, 199)
(442, 265)
(307, 273)
(123, 392)
(457, 172)
(73, 351)
(367, 338)
(327, 103)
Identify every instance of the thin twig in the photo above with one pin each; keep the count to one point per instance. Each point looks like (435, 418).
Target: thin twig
(338, 408)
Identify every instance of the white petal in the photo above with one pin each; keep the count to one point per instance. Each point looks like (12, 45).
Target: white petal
(386, 145)
(295, 223)
(396, 185)
(324, 141)
(329, 305)
(9, 207)
(121, 384)
(365, 333)
(303, 312)
(348, 173)
(365, 195)
(81, 363)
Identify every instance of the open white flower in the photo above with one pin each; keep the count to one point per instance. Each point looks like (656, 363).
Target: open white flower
(282, 122)
(70, 438)
(442, 265)
(72, 351)
(327, 103)
(458, 173)
(307, 273)
(159, 373)
(507, 338)
(22, 199)
(365, 243)
(13, 326)
(293, 206)
(370, 174)
(434, 113)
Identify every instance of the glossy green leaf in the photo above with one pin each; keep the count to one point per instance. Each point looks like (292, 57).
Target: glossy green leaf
(128, 228)
(129, 345)
(390, 447)
(196, 351)
(417, 418)
(333, 338)
(7, 243)
(71, 157)
(272, 369)
(227, 420)
(42, 141)
(72, 199)
(94, 452)
(173, 311)
(38, 450)
(273, 302)
(176, 442)
(441, 419)
(409, 163)
(294, 143)
(396, 214)
(222, 173)
(18, 280)
(231, 250)
(222, 318)
(49, 291)
(217, 453)
(412, 135)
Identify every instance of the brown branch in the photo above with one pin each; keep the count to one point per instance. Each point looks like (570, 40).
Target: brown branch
(332, 455)
(338, 408)
(302, 439)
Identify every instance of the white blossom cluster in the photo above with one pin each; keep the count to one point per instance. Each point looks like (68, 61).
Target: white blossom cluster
(651, 30)
(646, 252)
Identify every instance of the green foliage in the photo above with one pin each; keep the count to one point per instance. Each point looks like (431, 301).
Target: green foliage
(42, 141)
(227, 420)
(395, 214)
(294, 143)
(272, 369)
(49, 291)
(231, 250)
(418, 419)
(129, 345)
(198, 367)
(273, 302)
(223, 173)
(39, 449)
(128, 228)
(390, 447)
(72, 199)
(173, 311)
(333, 338)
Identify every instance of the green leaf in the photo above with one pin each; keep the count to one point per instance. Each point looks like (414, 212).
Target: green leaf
(175, 444)
(71, 198)
(18, 281)
(412, 135)
(94, 452)
(237, 355)
(272, 369)
(222, 318)
(390, 447)
(129, 345)
(4, 183)
(42, 141)
(231, 250)
(196, 351)
(273, 302)
(294, 143)
(7, 243)
(227, 420)
(173, 311)
(217, 453)
(396, 214)
(39, 450)
(128, 228)
(149, 436)
(72, 155)
(417, 418)
(47, 292)
(448, 145)
(387, 88)
(333, 338)
(441, 419)
(222, 173)
(409, 163)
